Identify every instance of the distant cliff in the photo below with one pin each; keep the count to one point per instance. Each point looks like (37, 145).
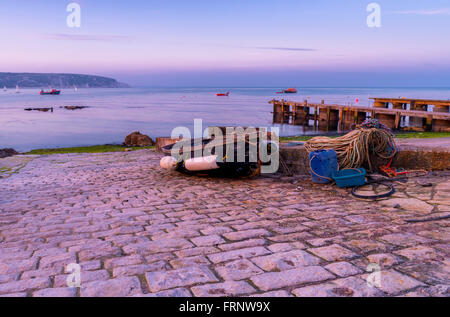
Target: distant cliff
(36, 80)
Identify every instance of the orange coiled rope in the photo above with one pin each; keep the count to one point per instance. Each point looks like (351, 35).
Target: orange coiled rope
(355, 149)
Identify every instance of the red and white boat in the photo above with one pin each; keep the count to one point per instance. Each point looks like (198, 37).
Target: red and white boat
(51, 92)
(288, 91)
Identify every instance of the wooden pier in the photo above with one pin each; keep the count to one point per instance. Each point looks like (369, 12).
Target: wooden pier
(429, 115)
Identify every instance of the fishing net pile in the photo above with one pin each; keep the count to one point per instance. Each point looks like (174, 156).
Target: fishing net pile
(360, 147)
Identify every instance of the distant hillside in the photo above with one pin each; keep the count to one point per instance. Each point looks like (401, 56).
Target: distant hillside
(36, 80)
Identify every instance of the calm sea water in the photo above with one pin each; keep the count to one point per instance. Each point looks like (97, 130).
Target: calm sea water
(114, 113)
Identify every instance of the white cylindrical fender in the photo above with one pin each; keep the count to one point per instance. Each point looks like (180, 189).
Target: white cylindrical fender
(168, 163)
(201, 163)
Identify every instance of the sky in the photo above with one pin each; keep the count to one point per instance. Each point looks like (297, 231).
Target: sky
(249, 43)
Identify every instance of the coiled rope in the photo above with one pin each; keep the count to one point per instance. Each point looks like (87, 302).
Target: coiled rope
(355, 149)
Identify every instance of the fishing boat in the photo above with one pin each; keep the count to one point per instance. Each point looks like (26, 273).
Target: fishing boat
(213, 165)
(288, 91)
(51, 92)
(223, 95)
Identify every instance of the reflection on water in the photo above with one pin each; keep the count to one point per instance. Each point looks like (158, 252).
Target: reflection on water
(113, 113)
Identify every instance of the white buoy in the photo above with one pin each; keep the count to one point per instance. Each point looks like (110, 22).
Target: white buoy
(168, 163)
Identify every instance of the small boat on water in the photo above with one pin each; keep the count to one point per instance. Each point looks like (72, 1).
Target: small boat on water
(223, 95)
(4, 88)
(288, 91)
(51, 92)
(75, 88)
(17, 89)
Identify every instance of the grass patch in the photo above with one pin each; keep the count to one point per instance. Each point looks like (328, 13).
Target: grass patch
(295, 138)
(422, 135)
(304, 137)
(401, 135)
(87, 149)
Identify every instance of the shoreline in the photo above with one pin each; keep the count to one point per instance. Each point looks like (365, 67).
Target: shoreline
(428, 151)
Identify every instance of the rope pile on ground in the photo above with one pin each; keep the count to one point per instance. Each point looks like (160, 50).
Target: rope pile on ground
(355, 149)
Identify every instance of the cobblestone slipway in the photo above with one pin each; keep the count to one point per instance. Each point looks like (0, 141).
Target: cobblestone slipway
(139, 231)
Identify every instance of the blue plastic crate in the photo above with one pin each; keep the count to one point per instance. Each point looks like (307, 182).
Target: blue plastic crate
(323, 165)
(350, 177)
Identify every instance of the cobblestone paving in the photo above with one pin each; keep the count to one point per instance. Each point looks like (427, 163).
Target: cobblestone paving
(139, 231)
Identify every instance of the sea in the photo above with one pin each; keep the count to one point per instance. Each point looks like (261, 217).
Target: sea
(111, 114)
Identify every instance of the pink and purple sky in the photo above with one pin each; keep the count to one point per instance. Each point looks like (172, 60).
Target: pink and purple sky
(233, 42)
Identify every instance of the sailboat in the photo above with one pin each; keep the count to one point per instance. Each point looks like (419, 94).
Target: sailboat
(17, 89)
(75, 88)
(4, 88)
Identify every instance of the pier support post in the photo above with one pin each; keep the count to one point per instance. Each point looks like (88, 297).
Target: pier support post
(360, 117)
(352, 117)
(440, 125)
(387, 119)
(300, 115)
(397, 121)
(417, 122)
(278, 112)
(286, 112)
(328, 119)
